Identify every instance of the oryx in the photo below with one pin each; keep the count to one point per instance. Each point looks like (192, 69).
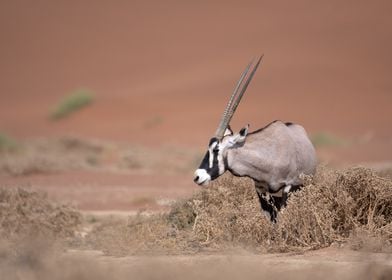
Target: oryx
(275, 156)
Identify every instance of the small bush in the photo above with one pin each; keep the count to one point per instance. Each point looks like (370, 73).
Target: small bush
(51, 155)
(25, 213)
(7, 143)
(77, 100)
(324, 139)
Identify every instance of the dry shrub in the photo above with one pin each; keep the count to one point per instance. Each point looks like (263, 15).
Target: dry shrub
(28, 164)
(385, 171)
(228, 214)
(29, 214)
(332, 207)
(51, 155)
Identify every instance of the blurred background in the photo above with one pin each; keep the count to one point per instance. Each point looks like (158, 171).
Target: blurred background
(138, 87)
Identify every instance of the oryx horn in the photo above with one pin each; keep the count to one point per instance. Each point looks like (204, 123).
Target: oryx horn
(236, 98)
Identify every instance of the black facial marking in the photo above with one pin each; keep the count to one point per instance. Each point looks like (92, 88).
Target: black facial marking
(288, 123)
(242, 131)
(212, 140)
(205, 164)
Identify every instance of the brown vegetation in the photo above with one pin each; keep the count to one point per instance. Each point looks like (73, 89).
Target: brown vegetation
(333, 207)
(29, 215)
(350, 208)
(49, 155)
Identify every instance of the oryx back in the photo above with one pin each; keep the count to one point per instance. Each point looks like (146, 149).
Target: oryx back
(274, 156)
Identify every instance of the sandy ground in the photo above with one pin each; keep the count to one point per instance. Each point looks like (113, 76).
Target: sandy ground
(105, 191)
(328, 263)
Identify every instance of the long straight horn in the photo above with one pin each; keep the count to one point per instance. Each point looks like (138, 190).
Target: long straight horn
(235, 98)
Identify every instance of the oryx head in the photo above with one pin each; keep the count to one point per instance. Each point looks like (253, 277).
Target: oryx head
(213, 164)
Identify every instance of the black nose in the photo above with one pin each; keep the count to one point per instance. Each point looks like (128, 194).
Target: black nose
(196, 179)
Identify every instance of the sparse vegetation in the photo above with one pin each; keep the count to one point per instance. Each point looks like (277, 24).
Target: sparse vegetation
(325, 139)
(333, 207)
(153, 122)
(76, 100)
(25, 213)
(351, 207)
(50, 155)
(68, 153)
(7, 143)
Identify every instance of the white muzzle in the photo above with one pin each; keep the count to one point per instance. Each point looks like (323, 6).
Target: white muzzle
(202, 177)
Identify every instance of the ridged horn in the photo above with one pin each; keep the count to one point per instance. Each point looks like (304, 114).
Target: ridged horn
(235, 98)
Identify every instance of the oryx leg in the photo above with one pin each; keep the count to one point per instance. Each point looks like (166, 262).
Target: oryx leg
(267, 204)
(277, 201)
(285, 194)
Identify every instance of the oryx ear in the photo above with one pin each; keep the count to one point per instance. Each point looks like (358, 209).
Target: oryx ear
(244, 131)
(239, 137)
(228, 131)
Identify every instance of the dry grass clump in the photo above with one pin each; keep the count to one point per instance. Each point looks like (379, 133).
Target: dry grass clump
(212, 219)
(28, 214)
(50, 155)
(28, 164)
(228, 214)
(385, 172)
(333, 207)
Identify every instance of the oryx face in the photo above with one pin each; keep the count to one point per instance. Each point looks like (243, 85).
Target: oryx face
(213, 164)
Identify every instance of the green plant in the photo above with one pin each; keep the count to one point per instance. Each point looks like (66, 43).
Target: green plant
(7, 143)
(153, 122)
(71, 103)
(323, 139)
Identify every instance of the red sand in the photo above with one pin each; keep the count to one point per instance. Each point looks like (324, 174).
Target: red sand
(162, 72)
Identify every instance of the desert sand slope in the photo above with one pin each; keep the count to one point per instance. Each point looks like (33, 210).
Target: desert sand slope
(161, 72)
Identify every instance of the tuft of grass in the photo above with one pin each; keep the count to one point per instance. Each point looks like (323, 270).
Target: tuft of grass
(7, 143)
(153, 122)
(75, 101)
(326, 139)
